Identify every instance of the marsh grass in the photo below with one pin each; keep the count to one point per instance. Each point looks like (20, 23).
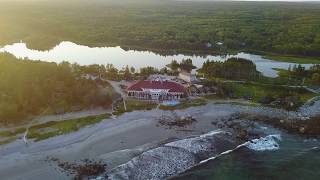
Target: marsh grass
(293, 59)
(258, 91)
(55, 128)
(52, 128)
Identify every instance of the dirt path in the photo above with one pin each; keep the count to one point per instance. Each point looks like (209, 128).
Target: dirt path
(116, 86)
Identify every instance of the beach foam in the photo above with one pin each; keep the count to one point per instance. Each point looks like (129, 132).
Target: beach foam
(178, 156)
(262, 144)
(197, 145)
(223, 153)
(155, 164)
(268, 143)
(172, 158)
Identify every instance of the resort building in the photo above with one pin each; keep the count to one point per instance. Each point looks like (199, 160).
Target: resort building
(188, 76)
(157, 89)
(161, 77)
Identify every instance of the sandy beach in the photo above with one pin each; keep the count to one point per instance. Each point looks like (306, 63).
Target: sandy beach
(114, 141)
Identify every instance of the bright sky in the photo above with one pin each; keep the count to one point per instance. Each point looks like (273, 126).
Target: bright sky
(257, 0)
(265, 0)
(283, 0)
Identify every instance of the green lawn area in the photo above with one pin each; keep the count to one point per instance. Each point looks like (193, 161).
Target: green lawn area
(52, 128)
(9, 136)
(251, 104)
(8, 140)
(258, 91)
(55, 128)
(14, 132)
(293, 59)
(282, 72)
(135, 105)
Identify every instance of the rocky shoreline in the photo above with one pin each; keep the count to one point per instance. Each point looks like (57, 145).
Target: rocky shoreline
(171, 158)
(140, 138)
(239, 129)
(175, 157)
(178, 156)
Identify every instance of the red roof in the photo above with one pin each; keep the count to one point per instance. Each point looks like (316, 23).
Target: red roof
(143, 84)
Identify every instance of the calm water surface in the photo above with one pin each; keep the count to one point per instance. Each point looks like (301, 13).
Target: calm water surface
(84, 55)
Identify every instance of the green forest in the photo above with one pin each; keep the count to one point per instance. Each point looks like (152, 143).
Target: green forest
(31, 88)
(166, 26)
(233, 68)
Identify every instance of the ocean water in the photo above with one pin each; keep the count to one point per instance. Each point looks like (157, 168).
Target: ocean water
(277, 155)
(291, 158)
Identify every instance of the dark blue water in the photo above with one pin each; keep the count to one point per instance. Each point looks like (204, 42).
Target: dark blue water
(297, 158)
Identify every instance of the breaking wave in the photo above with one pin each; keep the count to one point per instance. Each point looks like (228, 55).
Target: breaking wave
(262, 144)
(172, 158)
(269, 143)
(223, 153)
(178, 156)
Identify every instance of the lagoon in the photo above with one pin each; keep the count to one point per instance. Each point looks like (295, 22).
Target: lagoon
(84, 55)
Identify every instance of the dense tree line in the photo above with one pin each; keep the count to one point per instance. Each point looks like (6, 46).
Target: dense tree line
(233, 68)
(277, 27)
(184, 65)
(29, 88)
(130, 73)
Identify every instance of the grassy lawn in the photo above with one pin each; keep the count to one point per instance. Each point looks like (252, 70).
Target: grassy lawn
(251, 104)
(185, 104)
(293, 59)
(8, 140)
(282, 72)
(55, 128)
(14, 132)
(52, 128)
(135, 105)
(10, 136)
(258, 91)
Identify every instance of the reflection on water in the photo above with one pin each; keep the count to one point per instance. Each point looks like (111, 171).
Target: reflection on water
(84, 55)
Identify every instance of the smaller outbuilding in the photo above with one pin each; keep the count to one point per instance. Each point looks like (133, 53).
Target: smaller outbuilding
(189, 77)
